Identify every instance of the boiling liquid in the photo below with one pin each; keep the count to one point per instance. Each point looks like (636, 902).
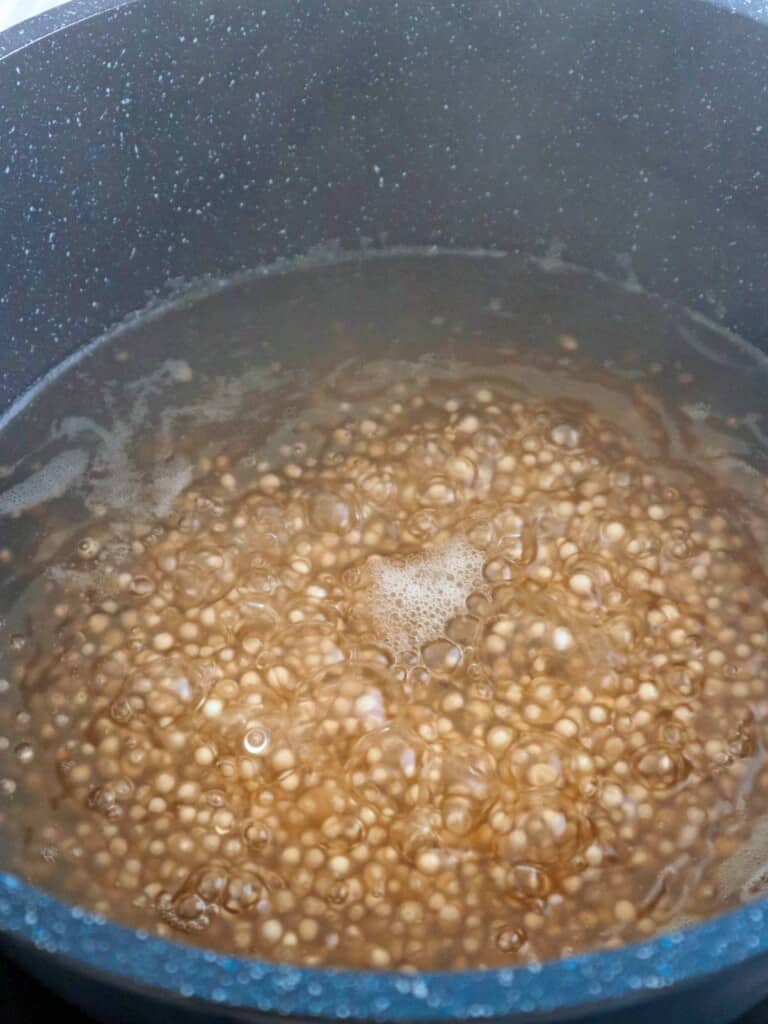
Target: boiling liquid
(459, 661)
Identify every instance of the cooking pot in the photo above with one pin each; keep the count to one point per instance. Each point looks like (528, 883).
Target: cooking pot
(147, 141)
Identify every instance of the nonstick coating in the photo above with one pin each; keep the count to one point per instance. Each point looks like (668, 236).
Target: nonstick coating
(149, 141)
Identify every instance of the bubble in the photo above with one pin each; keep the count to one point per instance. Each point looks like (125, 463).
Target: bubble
(487, 440)
(379, 488)
(625, 631)
(509, 524)
(462, 469)
(207, 891)
(163, 690)
(257, 835)
(255, 634)
(121, 710)
(480, 533)
(509, 939)
(678, 546)
(661, 767)
(461, 784)
(424, 524)
(88, 548)
(261, 582)
(528, 637)
(417, 834)
(302, 649)
(108, 672)
(529, 883)
(536, 762)
(441, 657)
(331, 513)
(263, 528)
(548, 829)
(103, 800)
(590, 580)
(544, 700)
(680, 682)
(257, 741)
(384, 769)
(142, 586)
(349, 701)
(235, 891)
(565, 435)
(202, 574)
(499, 570)
(439, 491)
(463, 630)
(429, 455)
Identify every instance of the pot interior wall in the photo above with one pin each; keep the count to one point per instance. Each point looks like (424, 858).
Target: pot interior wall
(173, 140)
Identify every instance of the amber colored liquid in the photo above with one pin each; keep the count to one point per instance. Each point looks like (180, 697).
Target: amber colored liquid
(465, 666)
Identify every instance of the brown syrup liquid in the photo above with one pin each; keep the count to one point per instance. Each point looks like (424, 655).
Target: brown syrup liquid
(448, 655)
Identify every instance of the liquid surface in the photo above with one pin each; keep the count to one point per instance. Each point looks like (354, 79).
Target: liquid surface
(460, 663)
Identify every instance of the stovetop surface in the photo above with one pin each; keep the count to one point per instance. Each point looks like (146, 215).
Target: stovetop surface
(23, 1000)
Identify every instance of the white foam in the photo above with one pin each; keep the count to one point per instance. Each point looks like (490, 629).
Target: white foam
(168, 484)
(121, 482)
(52, 481)
(412, 600)
(745, 873)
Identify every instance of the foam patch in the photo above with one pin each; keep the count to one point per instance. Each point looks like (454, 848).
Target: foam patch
(413, 599)
(52, 481)
(746, 871)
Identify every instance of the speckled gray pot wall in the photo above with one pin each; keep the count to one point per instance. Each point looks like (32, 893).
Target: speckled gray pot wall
(158, 140)
(176, 138)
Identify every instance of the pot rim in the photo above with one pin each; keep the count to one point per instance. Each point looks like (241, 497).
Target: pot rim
(68, 14)
(32, 30)
(630, 972)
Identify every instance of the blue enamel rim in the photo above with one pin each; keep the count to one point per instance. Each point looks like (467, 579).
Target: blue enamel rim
(632, 971)
(56, 928)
